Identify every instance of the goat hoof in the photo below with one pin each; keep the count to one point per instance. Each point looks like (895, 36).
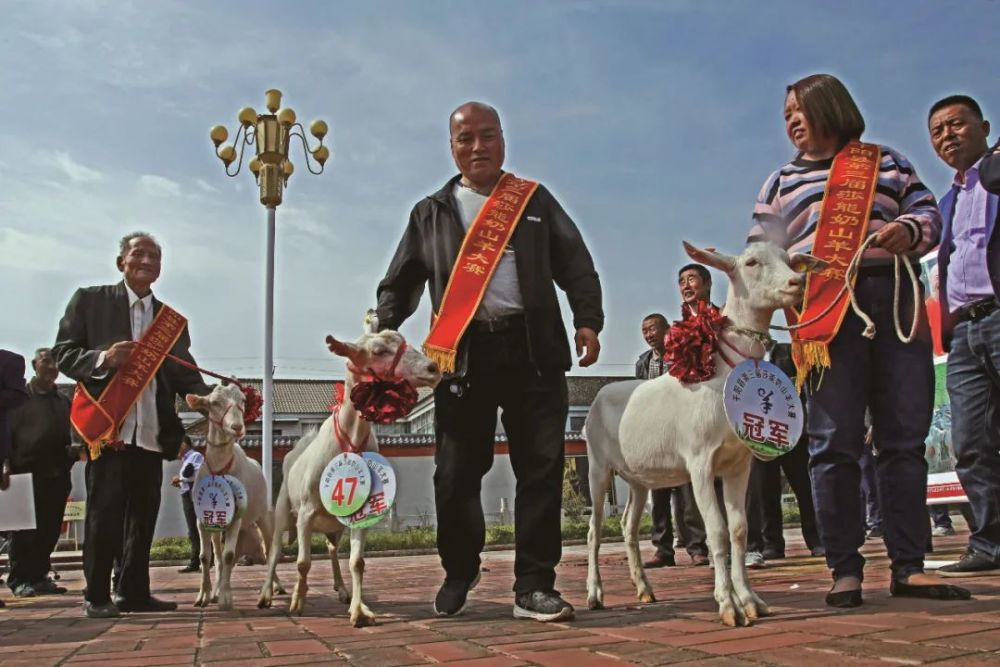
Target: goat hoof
(344, 595)
(594, 603)
(363, 621)
(280, 590)
(263, 604)
(728, 617)
(647, 597)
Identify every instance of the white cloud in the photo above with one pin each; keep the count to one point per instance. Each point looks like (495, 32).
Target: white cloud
(158, 186)
(201, 183)
(76, 171)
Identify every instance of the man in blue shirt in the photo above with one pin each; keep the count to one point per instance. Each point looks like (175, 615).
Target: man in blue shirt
(191, 460)
(969, 269)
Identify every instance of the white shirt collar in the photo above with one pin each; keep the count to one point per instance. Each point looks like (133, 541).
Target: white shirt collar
(147, 300)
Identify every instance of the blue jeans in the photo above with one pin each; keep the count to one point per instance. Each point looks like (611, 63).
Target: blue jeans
(869, 488)
(974, 389)
(896, 381)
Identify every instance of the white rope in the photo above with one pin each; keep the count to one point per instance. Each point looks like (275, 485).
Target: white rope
(849, 277)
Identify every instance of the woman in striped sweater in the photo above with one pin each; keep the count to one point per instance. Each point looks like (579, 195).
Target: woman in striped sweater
(846, 372)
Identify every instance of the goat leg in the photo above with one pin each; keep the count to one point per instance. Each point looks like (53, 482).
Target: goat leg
(361, 615)
(600, 478)
(206, 570)
(630, 531)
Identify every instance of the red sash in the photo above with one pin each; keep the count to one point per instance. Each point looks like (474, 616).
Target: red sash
(97, 421)
(841, 229)
(479, 257)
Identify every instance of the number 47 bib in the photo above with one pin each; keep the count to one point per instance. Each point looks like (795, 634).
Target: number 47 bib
(345, 484)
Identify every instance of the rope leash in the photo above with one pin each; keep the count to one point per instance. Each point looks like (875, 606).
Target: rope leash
(849, 278)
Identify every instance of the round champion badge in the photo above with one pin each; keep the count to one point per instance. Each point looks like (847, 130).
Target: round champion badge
(214, 503)
(763, 408)
(345, 484)
(382, 495)
(239, 495)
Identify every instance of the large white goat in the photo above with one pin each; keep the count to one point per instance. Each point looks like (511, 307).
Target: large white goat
(223, 455)
(299, 497)
(661, 432)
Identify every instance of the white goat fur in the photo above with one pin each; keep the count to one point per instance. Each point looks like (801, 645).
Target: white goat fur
(225, 427)
(299, 504)
(663, 433)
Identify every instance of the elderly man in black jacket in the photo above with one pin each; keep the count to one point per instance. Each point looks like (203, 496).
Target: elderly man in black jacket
(512, 354)
(97, 338)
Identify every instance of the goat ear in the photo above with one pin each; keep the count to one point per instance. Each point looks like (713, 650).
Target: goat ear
(805, 263)
(342, 349)
(196, 402)
(710, 257)
(371, 321)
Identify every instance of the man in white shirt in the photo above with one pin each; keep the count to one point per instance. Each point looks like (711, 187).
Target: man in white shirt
(97, 337)
(191, 460)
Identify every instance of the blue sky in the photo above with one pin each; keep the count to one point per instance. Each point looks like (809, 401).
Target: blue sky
(652, 122)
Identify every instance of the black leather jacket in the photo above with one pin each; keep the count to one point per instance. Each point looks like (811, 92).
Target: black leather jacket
(549, 251)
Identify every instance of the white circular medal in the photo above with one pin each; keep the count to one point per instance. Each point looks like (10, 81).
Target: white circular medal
(214, 503)
(345, 484)
(239, 495)
(763, 408)
(382, 496)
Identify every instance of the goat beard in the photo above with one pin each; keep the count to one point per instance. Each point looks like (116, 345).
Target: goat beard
(381, 401)
(691, 343)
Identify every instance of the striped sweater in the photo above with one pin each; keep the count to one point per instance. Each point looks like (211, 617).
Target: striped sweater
(788, 206)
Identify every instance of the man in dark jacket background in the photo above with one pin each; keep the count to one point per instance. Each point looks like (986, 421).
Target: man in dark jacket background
(513, 356)
(40, 432)
(690, 525)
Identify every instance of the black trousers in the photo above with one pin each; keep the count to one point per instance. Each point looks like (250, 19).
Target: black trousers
(534, 410)
(123, 500)
(690, 526)
(192, 526)
(30, 550)
(765, 500)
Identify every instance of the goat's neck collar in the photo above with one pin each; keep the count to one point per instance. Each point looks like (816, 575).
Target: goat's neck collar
(744, 323)
(350, 429)
(219, 452)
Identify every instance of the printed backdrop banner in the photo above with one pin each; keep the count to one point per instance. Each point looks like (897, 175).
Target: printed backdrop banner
(942, 481)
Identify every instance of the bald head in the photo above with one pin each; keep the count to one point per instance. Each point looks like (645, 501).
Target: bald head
(477, 144)
(466, 109)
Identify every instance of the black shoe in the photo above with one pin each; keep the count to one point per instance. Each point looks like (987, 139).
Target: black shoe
(930, 592)
(149, 605)
(451, 597)
(774, 554)
(660, 561)
(818, 551)
(875, 533)
(106, 610)
(845, 599)
(48, 587)
(190, 568)
(544, 606)
(973, 564)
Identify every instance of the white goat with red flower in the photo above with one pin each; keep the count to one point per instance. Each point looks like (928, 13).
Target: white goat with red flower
(384, 357)
(663, 432)
(224, 408)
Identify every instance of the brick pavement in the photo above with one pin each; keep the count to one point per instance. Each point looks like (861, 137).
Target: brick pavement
(681, 629)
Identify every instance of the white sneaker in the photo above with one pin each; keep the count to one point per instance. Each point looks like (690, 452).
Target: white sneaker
(943, 531)
(754, 560)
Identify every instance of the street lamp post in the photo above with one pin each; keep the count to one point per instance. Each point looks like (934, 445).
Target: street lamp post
(270, 135)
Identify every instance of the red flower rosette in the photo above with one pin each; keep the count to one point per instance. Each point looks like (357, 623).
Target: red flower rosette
(252, 404)
(691, 343)
(383, 401)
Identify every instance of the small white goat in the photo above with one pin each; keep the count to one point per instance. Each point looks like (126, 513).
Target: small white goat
(224, 410)
(661, 432)
(299, 497)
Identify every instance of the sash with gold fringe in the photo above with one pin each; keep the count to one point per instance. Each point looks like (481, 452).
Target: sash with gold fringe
(97, 421)
(479, 257)
(841, 229)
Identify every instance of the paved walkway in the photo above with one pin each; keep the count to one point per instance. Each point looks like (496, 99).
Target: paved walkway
(682, 629)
